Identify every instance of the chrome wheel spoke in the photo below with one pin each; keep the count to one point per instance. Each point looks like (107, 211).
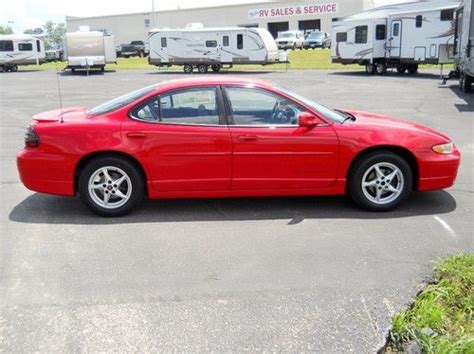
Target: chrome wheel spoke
(371, 183)
(392, 189)
(391, 175)
(378, 171)
(119, 194)
(106, 198)
(120, 180)
(378, 194)
(105, 172)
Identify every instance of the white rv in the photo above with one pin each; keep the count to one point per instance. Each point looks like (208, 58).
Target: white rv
(464, 46)
(89, 50)
(211, 47)
(397, 36)
(20, 50)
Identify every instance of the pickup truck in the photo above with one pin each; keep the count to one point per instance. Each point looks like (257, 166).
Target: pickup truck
(135, 48)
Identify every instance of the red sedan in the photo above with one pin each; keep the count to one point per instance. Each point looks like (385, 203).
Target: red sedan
(214, 137)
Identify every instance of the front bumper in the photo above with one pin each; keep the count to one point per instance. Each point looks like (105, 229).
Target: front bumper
(437, 171)
(313, 45)
(46, 172)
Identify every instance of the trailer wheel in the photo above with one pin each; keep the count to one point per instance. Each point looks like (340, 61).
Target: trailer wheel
(73, 70)
(2, 69)
(370, 68)
(14, 68)
(381, 68)
(188, 69)
(216, 67)
(202, 68)
(412, 69)
(102, 68)
(401, 69)
(465, 83)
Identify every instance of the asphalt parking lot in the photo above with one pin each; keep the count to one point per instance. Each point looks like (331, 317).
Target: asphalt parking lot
(278, 274)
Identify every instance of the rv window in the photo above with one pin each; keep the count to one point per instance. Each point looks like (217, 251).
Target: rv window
(341, 37)
(225, 41)
(38, 46)
(163, 42)
(380, 33)
(211, 44)
(25, 47)
(361, 34)
(447, 15)
(6, 46)
(419, 21)
(396, 29)
(240, 41)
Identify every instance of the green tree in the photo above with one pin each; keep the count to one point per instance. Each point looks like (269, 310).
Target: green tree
(54, 34)
(6, 30)
(28, 31)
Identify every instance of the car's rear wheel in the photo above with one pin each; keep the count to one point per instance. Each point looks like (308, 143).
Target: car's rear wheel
(111, 186)
(380, 181)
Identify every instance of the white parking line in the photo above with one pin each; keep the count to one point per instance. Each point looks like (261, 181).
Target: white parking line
(446, 226)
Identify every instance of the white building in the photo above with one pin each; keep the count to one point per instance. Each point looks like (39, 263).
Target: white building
(276, 16)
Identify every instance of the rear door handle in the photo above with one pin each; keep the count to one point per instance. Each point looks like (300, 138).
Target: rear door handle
(136, 135)
(247, 137)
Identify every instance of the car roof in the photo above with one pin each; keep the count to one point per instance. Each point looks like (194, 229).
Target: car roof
(209, 80)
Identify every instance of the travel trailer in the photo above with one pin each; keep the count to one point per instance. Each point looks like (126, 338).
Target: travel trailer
(397, 36)
(20, 50)
(464, 47)
(201, 48)
(86, 49)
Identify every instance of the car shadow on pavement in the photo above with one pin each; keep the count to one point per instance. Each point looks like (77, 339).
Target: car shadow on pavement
(40, 208)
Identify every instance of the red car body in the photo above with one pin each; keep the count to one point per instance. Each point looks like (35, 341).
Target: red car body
(187, 161)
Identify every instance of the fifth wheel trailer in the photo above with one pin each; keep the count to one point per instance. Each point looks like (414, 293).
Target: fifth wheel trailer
(211, 47)
(89, 50)
(397, 36)
(20, 50)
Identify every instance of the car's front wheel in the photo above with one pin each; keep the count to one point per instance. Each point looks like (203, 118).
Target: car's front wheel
(111, 186)
(380, 181)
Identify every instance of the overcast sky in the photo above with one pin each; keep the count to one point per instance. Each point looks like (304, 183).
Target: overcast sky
(21, 14)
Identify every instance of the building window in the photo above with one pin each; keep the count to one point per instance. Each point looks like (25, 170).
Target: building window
(147, 23)
(25, 47)
(396, 29)
(163, 42)
(361, 34)
(225, 41)
(447, 15)
(419, 21)
(341, 37)
(38, 46)
(6, 46)
(380, 32)
(240, 41)
(211, 44)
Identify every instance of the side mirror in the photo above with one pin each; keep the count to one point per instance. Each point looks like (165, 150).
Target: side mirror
(308, 120)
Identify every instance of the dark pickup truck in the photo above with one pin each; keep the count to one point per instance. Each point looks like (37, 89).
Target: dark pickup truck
(135, 48)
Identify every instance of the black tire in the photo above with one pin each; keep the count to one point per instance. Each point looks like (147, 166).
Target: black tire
(370, 69)
(380, 68)
(188, 69)
(14, 68)
(202, 68)
(412, 69)
(73, 70)
(135, 179)
(216, 67)
(102, 68)
(401, 69)
(363, 165)
(465, 83)
(294, 46)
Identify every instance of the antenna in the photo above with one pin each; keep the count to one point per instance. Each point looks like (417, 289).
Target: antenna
(59, 95)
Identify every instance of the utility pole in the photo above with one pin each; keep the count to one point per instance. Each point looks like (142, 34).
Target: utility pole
(153, 12)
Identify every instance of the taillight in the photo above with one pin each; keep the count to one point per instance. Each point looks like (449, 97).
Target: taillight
(31, 137)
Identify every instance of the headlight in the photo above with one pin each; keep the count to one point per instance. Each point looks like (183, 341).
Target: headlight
(444, 149)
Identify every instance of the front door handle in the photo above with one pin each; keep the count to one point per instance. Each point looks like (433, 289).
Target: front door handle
(136, 135)
(247, 137)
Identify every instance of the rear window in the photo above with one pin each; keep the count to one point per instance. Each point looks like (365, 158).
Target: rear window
(121, 101)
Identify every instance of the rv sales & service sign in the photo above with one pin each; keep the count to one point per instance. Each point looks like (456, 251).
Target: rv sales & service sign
(293, 10)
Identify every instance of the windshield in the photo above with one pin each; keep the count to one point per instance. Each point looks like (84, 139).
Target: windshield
(121, 101)
(316, 35)
(287, 35)
(323, 110)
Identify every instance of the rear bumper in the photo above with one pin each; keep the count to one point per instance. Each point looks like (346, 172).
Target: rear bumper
(46, 172)
(439, 171)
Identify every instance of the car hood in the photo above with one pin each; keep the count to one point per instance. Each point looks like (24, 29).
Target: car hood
(67, 114)
(373, 120)
(285, 39)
